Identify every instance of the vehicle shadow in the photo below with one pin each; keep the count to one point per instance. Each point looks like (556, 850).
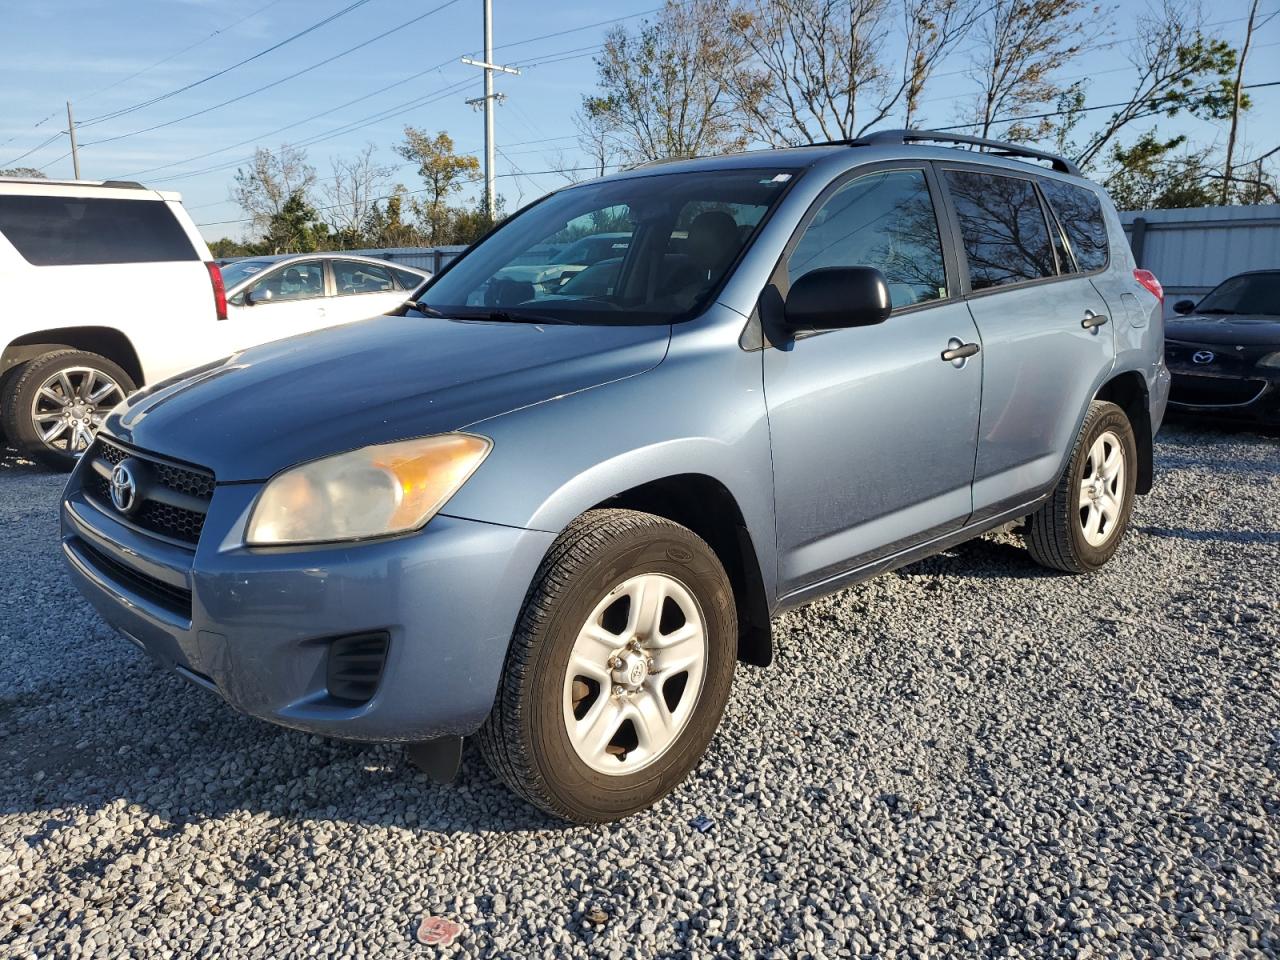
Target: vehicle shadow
(153, 740)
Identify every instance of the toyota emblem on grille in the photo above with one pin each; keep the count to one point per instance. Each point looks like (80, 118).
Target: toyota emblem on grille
(124, 488)
(1202, 356)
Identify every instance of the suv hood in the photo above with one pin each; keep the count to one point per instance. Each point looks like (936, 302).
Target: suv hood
(391, 378)
(1234, 330)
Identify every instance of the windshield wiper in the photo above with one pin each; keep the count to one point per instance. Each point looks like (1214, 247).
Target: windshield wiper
(425, 308)
(505, 316)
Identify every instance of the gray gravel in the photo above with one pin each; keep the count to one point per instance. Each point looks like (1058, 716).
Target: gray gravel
(970, 756)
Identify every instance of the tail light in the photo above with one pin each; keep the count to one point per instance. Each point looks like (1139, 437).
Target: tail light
(1149, 281)
(219, 289)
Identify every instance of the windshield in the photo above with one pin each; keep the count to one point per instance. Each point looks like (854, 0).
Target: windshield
(647, 249)
(1252, 293)
(241, 270)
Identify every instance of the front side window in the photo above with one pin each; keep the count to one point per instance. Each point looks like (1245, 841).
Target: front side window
(1006, 239)
(64, 231)
(1080, 212)
(297, 281)
(354, 276)
(645, 249)
(883, 220)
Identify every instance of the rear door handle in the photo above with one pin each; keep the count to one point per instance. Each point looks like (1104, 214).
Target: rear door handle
(957, 350)
(1092, 320)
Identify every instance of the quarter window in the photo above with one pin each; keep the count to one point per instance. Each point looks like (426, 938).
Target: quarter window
(1080, 212)
(1002, 226)
(883, 220)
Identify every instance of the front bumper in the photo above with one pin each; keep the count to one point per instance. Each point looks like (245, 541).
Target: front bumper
(256, 625)
(1231, 384)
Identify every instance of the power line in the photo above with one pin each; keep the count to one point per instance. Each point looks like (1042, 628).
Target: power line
(225, 70)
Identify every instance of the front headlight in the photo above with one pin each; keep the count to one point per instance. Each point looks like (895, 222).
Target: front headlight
(374, 492)
(1271, 360)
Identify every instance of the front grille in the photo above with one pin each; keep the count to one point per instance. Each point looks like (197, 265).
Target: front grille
(164, 595)
(1214, 391)
(173, 500)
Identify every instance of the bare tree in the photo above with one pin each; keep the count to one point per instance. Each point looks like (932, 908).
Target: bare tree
(1177, 68)
(596, 136)
(271, 179)
(24, 173)
(350, 193)
(1238, 97)
(1021, 44)
(933, 29)
(665, 89)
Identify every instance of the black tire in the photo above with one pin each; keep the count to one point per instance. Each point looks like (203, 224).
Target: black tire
(525, 740)
(1055, 534)
(6, 379)
(19, 426)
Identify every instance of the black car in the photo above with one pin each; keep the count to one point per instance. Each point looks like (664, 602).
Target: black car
(1224, 352)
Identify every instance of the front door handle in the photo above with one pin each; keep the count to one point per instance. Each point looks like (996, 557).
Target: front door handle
(1092, 319)
(957, 350)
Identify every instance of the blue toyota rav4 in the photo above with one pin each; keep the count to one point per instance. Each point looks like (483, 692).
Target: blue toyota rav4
(555, 515)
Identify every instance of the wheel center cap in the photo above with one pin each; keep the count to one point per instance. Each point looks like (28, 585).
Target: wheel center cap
(634, 670)
(79, 411)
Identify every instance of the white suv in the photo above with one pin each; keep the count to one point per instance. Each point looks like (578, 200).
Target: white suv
(107, 286)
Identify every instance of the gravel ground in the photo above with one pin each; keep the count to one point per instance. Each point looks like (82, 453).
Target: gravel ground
(970, 756)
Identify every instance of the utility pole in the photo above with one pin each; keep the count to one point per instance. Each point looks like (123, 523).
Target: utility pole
(1235, 106)
(490, 194)
(75, 152)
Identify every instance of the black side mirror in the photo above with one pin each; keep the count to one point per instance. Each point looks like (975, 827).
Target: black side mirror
(1184, 306)
(831, 298)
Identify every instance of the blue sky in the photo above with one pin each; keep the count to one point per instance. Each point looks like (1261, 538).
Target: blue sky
(107, 57)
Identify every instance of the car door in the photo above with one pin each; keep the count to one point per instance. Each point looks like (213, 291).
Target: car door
(281, 303)
(873, 432)
(1046, 334)
(362, 290)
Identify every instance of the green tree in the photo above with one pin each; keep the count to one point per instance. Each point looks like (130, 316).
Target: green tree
(1155, 173)
(270, 182)
(24, 173)
(385, 226)
(297, 228)
(443, 171)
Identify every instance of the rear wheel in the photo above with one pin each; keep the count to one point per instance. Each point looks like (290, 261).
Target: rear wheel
(618, 671)
(56, 403)
(1080, 527)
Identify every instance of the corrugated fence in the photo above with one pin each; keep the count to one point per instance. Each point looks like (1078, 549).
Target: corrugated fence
(1195, 249)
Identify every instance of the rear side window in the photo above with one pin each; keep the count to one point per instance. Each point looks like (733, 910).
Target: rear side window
(407, 279)
(1006, 239)
(355, 276)
(1080, 213)
(61, 231)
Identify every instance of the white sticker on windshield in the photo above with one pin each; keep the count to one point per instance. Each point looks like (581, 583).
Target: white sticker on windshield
(781, 178)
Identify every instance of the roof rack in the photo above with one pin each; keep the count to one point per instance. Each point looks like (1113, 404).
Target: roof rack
(998, 147)
(43, 182)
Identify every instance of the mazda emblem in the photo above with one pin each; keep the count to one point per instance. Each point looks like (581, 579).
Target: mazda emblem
(124, 488)
(1202, 356)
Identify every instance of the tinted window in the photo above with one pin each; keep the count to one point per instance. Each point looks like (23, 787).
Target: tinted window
(55, 231)
(885, 220)
(1080, 213)
(352, 276)
(1257, 293)
(1002, 226)
(298, 281)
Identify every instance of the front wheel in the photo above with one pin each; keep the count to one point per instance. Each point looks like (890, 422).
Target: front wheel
(1080, 527)
(618, 671)
(55, 404)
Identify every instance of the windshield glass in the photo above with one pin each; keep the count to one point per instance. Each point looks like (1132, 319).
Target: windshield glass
(647, 249)
(241, 270)
(1256, 293)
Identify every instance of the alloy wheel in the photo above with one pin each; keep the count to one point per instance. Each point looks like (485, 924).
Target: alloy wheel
(1102, 489)
(635, 674)
(70, 406)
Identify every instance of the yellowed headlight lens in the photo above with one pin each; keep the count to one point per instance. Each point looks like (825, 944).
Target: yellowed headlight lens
(373, 492)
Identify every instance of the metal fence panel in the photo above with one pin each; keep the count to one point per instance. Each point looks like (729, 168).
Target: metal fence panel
(1195, 249)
